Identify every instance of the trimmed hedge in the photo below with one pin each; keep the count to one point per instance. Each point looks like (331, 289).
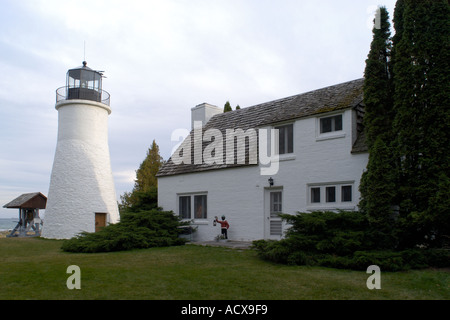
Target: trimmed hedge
(136, 230)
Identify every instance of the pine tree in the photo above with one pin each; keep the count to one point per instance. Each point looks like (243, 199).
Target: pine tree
(146, 174)
(422, 118)
(144, 194)
(378, 181)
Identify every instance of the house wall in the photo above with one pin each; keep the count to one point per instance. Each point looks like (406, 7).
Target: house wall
(242, 193)
(235, 193)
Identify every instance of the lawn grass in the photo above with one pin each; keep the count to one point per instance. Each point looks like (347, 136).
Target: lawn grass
(35, 268)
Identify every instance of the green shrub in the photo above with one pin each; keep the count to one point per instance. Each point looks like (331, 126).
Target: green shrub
(386, 260)
(136, 230)
(271, 250)
(438, 258)
(338, 262)
(343, 240)
(329, 232)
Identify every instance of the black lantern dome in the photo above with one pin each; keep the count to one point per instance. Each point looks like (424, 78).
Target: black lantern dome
(84, 83)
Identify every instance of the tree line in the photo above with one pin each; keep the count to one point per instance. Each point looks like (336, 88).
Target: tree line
(406, 187)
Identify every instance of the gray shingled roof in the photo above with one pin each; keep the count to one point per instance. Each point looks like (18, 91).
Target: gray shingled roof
(21, 201)
(337, 97)
(360, 145)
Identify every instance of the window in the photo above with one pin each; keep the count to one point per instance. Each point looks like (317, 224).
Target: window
(315, 195)
(346, 194)
(285, 139)
(185, 207)
(331, 124)
(330, 194)
(200, 207)
(196, 204)
(275, 204)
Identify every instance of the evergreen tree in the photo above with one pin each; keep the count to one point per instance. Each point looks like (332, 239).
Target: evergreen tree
(146, 174)
(398, 25)
(227, 107)
(378, 182)
(144, 194)
(422, 118)
(378, 84)
(378, 190)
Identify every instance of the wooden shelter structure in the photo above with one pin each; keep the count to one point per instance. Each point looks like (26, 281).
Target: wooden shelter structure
(29, 220)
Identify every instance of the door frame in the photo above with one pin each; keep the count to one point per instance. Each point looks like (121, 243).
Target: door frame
(268, 219)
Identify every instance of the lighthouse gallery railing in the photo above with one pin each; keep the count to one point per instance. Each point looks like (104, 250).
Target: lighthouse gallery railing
(69, 93)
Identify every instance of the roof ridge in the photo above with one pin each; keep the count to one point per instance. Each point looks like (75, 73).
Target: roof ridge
(320, 101)
(296, 95)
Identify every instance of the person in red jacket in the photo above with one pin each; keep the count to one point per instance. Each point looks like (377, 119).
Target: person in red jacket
(224, 226)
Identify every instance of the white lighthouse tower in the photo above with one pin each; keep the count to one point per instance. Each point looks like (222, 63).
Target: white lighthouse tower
(82, 195)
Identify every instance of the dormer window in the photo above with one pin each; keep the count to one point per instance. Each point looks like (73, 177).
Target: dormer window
(330, 127)
(331, 124)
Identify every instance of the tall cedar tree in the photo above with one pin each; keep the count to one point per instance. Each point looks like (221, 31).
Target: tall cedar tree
(378, 182)
(422, 121)
(144, 193)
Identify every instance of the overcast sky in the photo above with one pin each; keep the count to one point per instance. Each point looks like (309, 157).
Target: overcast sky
(162, 58)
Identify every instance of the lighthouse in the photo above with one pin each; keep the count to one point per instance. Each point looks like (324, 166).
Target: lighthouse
(82, 195)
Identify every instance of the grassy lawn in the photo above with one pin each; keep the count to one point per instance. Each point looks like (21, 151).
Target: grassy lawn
(36, 269)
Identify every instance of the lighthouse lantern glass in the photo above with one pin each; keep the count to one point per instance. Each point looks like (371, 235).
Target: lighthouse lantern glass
(84, 83)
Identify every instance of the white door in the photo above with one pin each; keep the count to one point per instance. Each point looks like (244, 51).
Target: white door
(273, 206)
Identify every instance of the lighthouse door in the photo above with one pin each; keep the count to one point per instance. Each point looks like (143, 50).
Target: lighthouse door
(100, 220)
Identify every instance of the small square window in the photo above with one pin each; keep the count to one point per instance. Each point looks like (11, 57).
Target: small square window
(346, 194)
(331, 124)
(330, 194)
(315, 195)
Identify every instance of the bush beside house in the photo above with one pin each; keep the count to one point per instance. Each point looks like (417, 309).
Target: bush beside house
(343, 240)
(136, 230)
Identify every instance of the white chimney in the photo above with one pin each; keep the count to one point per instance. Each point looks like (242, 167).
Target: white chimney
(203, 112)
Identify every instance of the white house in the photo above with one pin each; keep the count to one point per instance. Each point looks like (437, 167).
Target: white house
(301, 153)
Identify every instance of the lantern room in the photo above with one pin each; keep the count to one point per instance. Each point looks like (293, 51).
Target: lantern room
(84, 83)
